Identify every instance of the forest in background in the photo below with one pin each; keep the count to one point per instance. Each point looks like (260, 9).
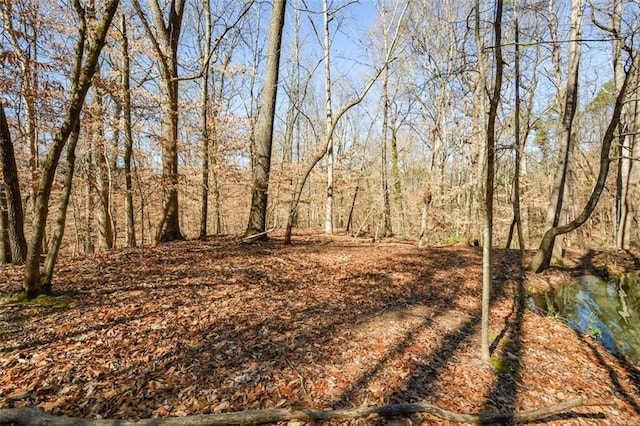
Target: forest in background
(383, 104)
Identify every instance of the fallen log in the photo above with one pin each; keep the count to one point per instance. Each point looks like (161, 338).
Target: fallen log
(38, 417)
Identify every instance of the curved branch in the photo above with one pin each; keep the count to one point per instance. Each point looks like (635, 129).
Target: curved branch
(37, 416)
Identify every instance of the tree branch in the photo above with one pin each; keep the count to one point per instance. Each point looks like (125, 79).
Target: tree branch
(37, 416)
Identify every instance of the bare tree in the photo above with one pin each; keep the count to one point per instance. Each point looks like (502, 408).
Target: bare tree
(125, 82)
(328, 221)
(83, 72)
(327, 137)
(164, 36)
(256, 227)
(542, 258)
(487, 229)
(28, 58)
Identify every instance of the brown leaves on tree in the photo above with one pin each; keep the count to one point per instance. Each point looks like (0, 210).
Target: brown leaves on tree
(215, 326)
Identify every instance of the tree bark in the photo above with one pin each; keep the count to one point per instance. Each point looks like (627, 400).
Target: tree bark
(257, 224)
(130, 233)
(397, 182)
(5, 245)
(568, 105)
(518, 145)
(58, 232)
(328, 219)
(487, 231)
(204, 121)
(15, 214)
(102, 181)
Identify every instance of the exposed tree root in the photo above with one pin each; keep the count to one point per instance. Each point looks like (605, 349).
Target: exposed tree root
(37, 416)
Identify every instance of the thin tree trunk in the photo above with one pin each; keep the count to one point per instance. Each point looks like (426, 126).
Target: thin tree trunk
(397, 183)
(105, 229)
(15, 214)
(518, 146)
(630, 234)
(204, 122)
(5, 244)
(130, 233)
(58, 232)
(487, 233)
(328, 220)
(89, 204)
(165, 42)
(568, 103)
(387, 229)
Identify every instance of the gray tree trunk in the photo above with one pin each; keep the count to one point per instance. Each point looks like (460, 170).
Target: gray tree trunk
(568, 105)
(487, 229)
(165, 40)
(257, 224)
(130, 233)
(58, 232)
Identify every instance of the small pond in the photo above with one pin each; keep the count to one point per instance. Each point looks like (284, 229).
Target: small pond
(606, 310)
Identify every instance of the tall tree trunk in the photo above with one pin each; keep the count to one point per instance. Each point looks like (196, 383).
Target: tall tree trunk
(28, 62)
(15, 214)
(568, 104)
(328, 220)
(257, 225)
(58, 232)
(130, 233)
(387, 229)
(103, 185)
(204, 120)
(478, 154)
(631, 195)
(487, 231)
(518, 145)
(81, 81)
(89, 202)
(542, 258)
(397, 183)
(165, 42)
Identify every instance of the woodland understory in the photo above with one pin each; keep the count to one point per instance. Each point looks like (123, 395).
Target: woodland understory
(219, 325)
(219, 206)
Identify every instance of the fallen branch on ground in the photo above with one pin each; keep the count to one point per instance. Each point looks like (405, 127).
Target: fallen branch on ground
(37, 416)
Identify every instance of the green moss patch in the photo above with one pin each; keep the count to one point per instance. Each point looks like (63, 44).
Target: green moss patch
(53, 301)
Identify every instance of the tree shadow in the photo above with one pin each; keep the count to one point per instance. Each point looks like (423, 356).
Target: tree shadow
(423, 372)
(633, 375)
(507, 348)
(253, 350)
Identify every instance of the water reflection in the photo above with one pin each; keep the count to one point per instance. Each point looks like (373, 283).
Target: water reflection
(606, 310)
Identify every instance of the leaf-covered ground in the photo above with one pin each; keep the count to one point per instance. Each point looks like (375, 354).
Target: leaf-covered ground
(219, 325)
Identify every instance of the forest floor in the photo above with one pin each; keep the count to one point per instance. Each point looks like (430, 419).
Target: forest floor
(219, 325)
